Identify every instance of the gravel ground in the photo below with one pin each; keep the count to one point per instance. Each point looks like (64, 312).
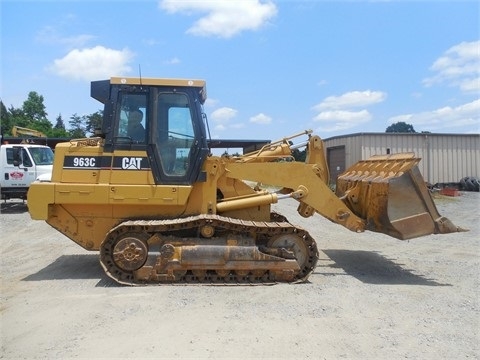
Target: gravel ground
(370, 297)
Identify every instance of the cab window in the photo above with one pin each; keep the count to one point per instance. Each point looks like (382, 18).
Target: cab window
(132, 119)
(175, 133)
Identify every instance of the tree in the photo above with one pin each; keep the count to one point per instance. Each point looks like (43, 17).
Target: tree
(59, 124)
(94, 121)
(17, 118)
(33, 115)
(400, 127)
(77, 126)
(33, 107)
(299, 155)
(34, 110)
(59, 130)
(43, 125)
(5, 120)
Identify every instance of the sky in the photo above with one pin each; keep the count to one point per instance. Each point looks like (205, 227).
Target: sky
(273, 68)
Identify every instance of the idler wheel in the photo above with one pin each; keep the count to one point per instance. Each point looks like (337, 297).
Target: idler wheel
(130, 253)
(293, 243)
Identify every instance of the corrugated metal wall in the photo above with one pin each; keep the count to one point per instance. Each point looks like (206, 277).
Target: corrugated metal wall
(445, 157)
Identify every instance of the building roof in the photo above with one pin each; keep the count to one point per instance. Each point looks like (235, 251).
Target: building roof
(397, 134)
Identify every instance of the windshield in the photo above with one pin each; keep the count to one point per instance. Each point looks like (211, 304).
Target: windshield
(42, 155)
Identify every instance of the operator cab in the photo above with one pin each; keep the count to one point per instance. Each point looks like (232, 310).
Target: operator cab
(160, 116)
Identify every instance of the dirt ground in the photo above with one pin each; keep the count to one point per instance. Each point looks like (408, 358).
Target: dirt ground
(371, 297)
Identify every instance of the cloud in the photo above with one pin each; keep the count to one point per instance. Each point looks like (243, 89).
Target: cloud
(459, 66)
(151, 42)
(351, 99)
(223, 119)
(220, 127)
(173, 61)
(92, 63)
(261, 119)
(211, 102)
(444, 118)
(344, 116)
(223, 19)
(342, 112)
(336, 120)
(223, 115)
(49, 35)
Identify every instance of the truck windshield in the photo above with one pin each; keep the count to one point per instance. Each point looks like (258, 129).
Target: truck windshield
(42, 156)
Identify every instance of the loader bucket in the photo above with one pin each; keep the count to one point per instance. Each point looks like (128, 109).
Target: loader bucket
(389, 194)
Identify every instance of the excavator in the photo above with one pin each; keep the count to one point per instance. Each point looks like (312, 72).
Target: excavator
(18, 131)
(149, 195)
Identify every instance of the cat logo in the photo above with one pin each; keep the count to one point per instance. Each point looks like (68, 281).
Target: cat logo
(133, 163)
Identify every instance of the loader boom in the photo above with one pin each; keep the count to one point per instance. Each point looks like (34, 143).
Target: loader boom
(385, 194)
(304, 182)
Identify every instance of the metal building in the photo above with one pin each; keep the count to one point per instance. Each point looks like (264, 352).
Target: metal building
(445, 157)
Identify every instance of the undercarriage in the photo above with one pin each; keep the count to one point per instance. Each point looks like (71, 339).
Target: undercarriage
(208, 249)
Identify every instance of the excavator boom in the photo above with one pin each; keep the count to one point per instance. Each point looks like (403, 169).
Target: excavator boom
(17, 131)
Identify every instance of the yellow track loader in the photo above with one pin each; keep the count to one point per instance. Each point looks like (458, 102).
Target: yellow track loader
(149, 195)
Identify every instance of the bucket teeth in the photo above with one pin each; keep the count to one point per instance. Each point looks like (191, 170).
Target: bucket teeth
(390, 194)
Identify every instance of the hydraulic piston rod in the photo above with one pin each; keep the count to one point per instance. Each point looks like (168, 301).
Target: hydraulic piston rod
(243, 203)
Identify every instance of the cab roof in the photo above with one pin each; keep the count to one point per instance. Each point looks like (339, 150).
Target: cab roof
(157, 81)
(100, 89)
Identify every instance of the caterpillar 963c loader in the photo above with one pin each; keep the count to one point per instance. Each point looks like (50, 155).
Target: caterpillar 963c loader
(148, 194)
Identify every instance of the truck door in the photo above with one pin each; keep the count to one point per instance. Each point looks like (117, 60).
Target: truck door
(19, 169)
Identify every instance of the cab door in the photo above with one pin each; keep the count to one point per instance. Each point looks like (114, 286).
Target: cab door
(177, 146)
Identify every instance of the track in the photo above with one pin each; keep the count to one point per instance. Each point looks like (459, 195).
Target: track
(208, 249)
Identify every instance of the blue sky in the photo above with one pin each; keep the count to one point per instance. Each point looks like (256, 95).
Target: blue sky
(273, 68)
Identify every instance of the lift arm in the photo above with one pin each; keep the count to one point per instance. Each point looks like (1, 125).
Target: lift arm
(382, 194)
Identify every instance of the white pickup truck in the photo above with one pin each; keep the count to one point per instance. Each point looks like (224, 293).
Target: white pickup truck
(20, 165)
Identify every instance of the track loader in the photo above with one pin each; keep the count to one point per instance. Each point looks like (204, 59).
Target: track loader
(149, 196)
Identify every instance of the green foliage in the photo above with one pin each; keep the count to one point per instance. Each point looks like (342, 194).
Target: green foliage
(299, 155)
(94, 122)
(235, 154)
(33, 115)
(5, 120)
(400, 127)
(59, 124)
(77, 126)
(33, 107)
(17, 117)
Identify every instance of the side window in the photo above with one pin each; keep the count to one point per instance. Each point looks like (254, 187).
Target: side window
(175, 136)
(20, 155)
(132, 119)
(27, 162)
(9, 156)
